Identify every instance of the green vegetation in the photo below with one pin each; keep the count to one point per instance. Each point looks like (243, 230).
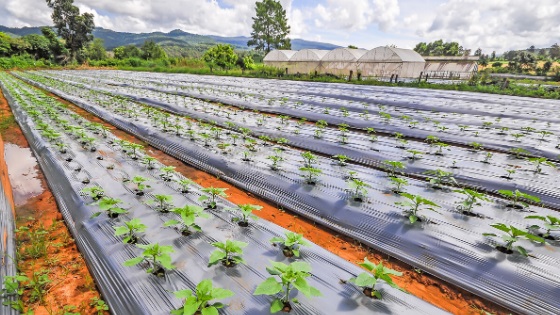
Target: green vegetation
(367, 280)
(270, 27)
(198, 303)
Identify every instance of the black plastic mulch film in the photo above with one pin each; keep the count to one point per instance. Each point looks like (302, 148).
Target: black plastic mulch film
(483, 181)
(451, 250)
(130, 290)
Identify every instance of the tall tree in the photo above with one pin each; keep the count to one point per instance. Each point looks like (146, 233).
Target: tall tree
(74, 28)
(59, 52)
(151, 50)
(270, 27)
(439, 48)
(96, 50)
(554, 51)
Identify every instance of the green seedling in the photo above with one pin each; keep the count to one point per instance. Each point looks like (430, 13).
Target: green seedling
(473, 199)
(440, 146)
(309, 159)
(110, 206)
(517, 136)
(134, 148)
(341, 159)
(245, 213)
(185, 184)
(511, 236)
(414, 154)
(476, 146)
(199, 303)
(157, 256)
(213, 192)
(398, 183)
(310, 174)
(393, 166)
(167, 173)
(276, 159)
(100, 306)
(550, 223)
(186, 222)
(358, 188)
(149, 162)
(509, 173)
(291, 277)
(371, 133)
(538, 162)
(414, 204)
(545, 133)
(368, 280)
(487, 157)
(519, 152)
(163, 202)
(290, 244)
(528, 129)
(516, 198)
(140, 186)
(94, 192)
(130, 230)
(228, 253)
(440, 178)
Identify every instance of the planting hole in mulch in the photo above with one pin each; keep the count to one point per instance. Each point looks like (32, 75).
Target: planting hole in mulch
(515, 206)
(229, 263)
(504, 250)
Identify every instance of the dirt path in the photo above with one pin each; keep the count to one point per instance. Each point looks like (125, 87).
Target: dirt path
(46, 250)
(418, 283)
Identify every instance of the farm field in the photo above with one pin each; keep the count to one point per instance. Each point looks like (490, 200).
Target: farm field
(461, 186)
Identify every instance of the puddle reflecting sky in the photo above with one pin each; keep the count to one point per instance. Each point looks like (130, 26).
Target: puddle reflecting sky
(22, 170)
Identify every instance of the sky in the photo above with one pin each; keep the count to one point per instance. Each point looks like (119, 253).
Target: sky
(493, 25)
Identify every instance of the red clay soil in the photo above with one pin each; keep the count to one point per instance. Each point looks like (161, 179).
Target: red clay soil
(71, 287)
(448, 297)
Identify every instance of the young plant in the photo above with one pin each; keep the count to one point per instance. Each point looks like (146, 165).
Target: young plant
(487, 157)
(512, 235)
(518, 152)
(341, 159)
(550, 223)
(157, 256)
(393, 166)
(398, 183)
(358, 189)
(213, 192)
(414, 204)
(94, 192)
(368, 280)
(188, 215)
(290, 244)
(228, 253)
(309, 159)
(134, 148)
(245, 213)
(476, 146)
(440, 178)
(163, 203)
(414, 154)
(473, 199)
(140, 186)
(167, 173)
(185, 185)
(111, 206)
(276, 159)
(130, 229)
(538, 162)
(292, 276)
(310, 174)
(198, 303)
(149, 162)
(516, 197)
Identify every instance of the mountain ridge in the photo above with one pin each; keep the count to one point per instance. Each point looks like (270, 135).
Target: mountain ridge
(176, 42)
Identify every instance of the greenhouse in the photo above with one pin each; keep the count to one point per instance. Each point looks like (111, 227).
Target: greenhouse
(449, 67)
(306, 61)
(279, 58)
(388, 62)
(341, 61)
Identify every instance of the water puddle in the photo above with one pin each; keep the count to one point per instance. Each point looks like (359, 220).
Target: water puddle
(22, 170)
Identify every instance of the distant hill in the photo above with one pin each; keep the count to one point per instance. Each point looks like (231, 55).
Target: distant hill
(176, 43)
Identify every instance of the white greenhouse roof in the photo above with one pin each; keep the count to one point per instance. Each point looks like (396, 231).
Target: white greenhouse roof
(309, 55)
(344, 54)
(390, 54)
(279, 55)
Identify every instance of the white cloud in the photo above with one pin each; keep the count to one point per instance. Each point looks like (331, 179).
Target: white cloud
(356, 15)
(496, 25)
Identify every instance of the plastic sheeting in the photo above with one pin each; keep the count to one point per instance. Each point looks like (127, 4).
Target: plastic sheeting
(7, 227)
(129, 290)
(450, 250)
(486, 178)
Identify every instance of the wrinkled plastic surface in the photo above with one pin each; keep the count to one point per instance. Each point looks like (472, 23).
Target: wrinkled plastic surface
(130, 290)
(7, 227)
(452, 249)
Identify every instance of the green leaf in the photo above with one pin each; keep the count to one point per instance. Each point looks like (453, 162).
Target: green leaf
(133, 261)
(365, 280)
(276, 306)
(95, 215)
(412, 218)
(269, 287)
(219, 293)
(211, 310)
(521, 250)
(120, 230)
(171, 223)
(183, 294)
(216, 256)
